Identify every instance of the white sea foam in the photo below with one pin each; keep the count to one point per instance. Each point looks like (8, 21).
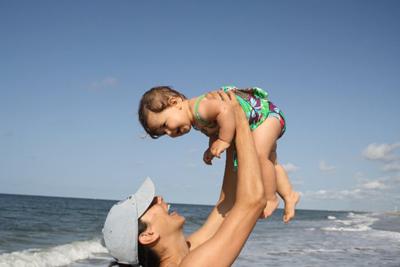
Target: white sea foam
(331, 218)
(354, 223)
(347, 229)
(322, 250)
(54, 256)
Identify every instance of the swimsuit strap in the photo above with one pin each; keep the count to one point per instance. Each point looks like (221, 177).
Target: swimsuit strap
(197, 116)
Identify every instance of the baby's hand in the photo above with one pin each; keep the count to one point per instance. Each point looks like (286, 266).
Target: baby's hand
(207, 157)
(218, 147)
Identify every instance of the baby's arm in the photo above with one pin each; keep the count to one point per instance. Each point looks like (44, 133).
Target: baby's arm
(208, 156)
(226, 122)
(215, 110)
(226, 133)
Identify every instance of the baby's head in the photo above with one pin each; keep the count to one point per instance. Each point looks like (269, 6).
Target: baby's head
(156, 100)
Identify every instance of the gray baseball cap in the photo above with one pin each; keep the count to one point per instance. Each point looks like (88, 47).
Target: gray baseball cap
(120, 231)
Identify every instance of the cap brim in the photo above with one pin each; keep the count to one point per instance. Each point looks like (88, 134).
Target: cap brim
(120, 230)
(144, 196)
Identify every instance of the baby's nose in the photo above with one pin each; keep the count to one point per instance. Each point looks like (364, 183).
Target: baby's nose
(171, 133)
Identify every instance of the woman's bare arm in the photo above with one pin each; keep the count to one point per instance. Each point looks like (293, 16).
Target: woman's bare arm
(225, 244)
(221, 208)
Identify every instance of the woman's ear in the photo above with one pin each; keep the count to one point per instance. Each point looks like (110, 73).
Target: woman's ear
(148, 237)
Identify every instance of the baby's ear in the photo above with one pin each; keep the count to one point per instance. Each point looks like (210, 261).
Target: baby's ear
(173, 100)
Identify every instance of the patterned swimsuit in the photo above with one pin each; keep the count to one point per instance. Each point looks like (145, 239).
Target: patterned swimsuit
(254, 102)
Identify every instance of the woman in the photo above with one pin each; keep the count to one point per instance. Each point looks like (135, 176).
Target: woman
(218, 242)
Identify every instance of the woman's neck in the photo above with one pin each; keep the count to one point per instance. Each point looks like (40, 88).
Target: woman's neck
(172, 250)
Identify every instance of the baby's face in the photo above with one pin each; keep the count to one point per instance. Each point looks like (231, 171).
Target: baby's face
(172, 121)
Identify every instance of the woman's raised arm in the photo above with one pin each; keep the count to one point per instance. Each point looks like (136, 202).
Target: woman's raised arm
(222, 248)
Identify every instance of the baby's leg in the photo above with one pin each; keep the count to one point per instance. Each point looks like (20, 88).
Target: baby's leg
(284, 188)
(265, 137)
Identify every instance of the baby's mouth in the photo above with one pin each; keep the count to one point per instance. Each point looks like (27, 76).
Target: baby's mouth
(183, 130)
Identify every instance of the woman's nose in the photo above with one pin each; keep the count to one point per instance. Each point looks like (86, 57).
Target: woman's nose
(159, 199)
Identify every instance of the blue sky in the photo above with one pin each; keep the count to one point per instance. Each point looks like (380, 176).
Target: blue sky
(72, 73)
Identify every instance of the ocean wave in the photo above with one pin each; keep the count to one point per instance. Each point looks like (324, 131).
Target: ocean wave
(348, 229)
(53, 256)
(353, 223)
(387, 235)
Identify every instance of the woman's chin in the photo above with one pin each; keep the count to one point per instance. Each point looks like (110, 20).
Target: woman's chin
(178, 218)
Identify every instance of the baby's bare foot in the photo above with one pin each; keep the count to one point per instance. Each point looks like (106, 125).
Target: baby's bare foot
(290, 206)
(272, 205)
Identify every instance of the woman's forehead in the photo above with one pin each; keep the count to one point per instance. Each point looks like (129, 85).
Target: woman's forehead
(150, 210)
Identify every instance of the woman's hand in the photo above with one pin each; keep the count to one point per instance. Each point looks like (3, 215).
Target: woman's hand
(227, 97)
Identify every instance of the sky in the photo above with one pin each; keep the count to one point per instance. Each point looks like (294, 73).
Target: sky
(72, 74)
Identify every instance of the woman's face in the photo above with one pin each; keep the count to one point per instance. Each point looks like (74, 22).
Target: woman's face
(161, 219)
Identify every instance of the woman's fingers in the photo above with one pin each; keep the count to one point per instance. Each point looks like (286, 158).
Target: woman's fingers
(213, 94)
(223, 95)
(228, 97)
(232, 96)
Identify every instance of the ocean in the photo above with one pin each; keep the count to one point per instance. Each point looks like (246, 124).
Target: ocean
(54, 231)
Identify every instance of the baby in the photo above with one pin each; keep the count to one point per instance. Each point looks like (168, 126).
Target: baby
(163, 110)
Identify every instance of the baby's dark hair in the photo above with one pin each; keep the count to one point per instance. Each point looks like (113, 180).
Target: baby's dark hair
(155, 100)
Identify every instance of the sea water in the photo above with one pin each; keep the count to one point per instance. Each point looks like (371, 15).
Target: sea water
(52, 231)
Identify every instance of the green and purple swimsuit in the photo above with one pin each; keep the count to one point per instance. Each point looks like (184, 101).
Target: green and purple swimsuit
(254, 102)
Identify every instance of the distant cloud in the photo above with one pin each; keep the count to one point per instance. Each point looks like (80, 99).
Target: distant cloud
(385, 154)
(386, 188)
(290, 167)
(367, 190)
(108, 82)
(392, 166)
(374, 185)
(325, 167)
(332, 194)
(380, 151)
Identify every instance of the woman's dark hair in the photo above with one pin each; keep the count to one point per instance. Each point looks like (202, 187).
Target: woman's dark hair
(155, 100)
(115, 263)
(147, 257)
